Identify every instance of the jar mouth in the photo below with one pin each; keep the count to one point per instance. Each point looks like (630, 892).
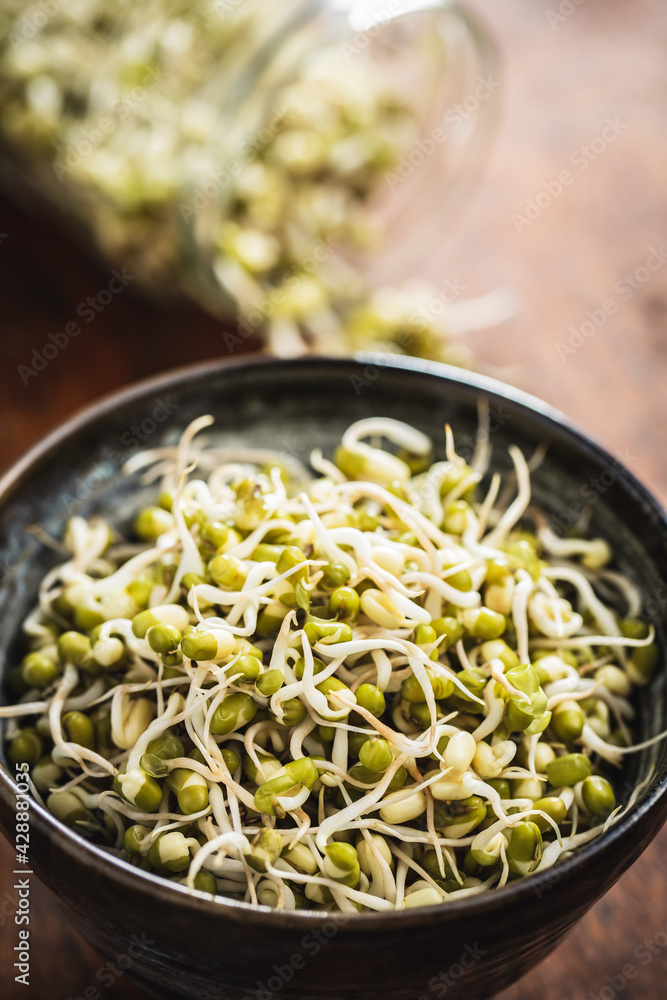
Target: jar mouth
(452, 62)
(437, 68)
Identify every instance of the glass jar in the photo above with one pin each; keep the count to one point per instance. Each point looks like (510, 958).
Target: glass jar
(281, 163)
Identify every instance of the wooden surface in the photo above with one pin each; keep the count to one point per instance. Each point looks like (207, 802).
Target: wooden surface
(561, 81)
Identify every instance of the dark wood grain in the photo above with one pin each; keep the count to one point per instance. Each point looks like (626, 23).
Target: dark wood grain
(561, 81)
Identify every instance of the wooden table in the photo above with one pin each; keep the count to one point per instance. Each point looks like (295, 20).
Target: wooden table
(565, 76)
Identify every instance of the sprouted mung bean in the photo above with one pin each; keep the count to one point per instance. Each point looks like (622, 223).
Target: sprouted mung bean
(119, 113)
(370, 688)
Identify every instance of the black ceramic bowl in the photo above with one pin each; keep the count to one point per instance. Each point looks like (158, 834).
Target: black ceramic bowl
(194, 946)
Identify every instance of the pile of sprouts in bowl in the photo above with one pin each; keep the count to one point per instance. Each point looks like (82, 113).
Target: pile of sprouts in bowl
(379, 683)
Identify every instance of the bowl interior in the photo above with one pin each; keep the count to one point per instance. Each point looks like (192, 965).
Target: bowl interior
(292, 407)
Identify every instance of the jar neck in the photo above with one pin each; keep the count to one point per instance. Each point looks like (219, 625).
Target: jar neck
(438, 52)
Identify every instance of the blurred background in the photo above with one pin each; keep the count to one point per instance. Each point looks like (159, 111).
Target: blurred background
(547, 268)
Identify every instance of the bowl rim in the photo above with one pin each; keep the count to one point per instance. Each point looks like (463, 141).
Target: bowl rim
(521, 890)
